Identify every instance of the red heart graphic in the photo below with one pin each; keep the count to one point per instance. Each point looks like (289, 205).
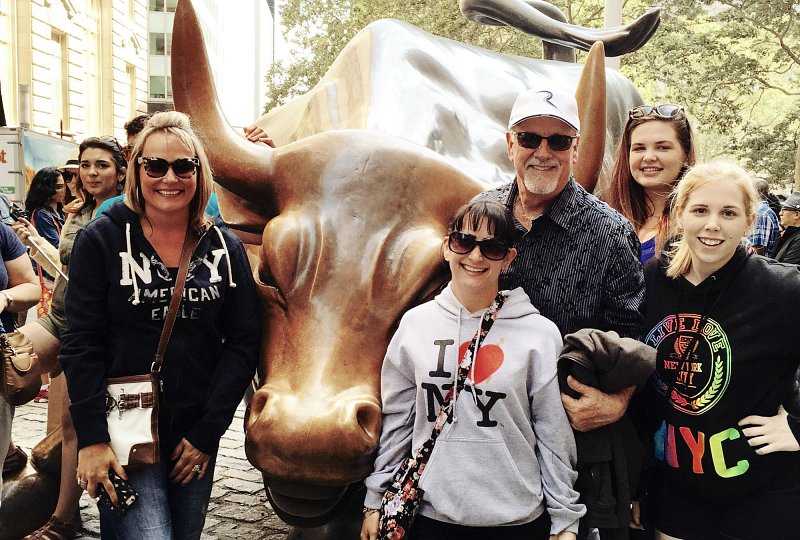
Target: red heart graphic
(489, 360)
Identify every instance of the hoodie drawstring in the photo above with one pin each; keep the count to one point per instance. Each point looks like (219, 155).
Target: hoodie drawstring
(231, 283)
(458, 364)
(130, 264)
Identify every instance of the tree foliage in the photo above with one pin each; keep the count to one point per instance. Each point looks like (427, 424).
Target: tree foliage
(734, 64)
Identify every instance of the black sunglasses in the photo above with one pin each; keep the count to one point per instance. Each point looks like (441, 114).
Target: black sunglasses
(158, 167)
(532, 141)
(463, 243)
(665, 112)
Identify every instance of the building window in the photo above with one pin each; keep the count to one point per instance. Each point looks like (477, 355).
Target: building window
(60, 81)
(131, 71)
(160, 87)
(163, 5)
(157, 47)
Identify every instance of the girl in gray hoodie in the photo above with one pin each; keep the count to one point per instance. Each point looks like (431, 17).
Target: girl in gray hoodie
(505, 466)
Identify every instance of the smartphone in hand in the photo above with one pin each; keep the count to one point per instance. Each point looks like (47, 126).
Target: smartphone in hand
(126, 495)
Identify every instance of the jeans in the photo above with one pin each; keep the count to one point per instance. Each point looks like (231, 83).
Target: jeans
(164, 510)
(6, 416)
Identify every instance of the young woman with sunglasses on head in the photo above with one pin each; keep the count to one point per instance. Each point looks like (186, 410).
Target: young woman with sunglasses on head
(101, 169)
(125, 265)
(656, 149)
(504, 466)
(728, 465)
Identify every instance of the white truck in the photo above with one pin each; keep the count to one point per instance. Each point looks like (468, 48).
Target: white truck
(23, 152)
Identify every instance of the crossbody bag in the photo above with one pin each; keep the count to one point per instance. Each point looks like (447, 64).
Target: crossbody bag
(401, 500)
(132, 401)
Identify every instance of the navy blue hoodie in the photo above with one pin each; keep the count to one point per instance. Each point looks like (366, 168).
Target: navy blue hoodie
(118, 294)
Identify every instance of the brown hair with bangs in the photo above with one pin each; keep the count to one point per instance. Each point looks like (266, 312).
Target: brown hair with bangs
(177, 124)
(497, 217)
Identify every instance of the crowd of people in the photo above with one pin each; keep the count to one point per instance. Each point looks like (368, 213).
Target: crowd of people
(646, 376)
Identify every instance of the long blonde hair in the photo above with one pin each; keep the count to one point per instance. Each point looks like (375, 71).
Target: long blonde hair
(177, 124)
(705, 173)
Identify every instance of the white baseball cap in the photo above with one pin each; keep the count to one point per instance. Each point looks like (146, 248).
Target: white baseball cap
(552, 101)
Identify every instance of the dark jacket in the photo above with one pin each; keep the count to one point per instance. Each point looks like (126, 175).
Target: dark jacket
(118, 294)
(609, 458)
(788, 250)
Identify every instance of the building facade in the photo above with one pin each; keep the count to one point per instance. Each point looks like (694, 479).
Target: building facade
(73, 68)
(239, 40)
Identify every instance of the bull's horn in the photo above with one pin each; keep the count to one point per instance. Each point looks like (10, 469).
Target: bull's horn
(239, 165)
(591, 97)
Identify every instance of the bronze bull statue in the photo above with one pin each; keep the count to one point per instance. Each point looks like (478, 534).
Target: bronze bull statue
(346, 225)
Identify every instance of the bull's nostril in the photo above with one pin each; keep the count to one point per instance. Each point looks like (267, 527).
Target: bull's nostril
(258, 402)
(368, 416)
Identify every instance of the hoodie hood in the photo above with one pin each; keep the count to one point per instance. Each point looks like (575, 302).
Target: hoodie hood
(126, 218)
(517, 305)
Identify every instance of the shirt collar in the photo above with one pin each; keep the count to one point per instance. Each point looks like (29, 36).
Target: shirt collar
(560, 210)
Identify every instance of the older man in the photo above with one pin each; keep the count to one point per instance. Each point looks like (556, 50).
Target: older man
(577, 259)
(788, 249)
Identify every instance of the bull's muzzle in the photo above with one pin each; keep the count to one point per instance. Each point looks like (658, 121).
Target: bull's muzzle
(311, 437)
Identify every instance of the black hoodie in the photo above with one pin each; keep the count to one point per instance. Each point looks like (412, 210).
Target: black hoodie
(739, 363)
(118, 294)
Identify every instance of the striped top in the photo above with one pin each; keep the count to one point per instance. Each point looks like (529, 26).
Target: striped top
(579, 263)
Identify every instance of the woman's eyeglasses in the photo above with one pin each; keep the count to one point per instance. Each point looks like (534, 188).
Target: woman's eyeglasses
(158, 167)
(532, 141)
(666, 111)
(463, 243)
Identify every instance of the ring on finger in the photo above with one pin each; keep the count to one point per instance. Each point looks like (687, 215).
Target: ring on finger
(196, 469)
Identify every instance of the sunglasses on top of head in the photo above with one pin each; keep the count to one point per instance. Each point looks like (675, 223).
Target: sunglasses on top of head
(532, 141)
(158, 167)
(666, 111)
(463, 244)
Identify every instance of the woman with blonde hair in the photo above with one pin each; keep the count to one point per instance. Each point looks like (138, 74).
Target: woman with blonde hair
(124, 267)
(728, 465)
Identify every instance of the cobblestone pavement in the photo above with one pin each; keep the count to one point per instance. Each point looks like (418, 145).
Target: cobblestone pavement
(238, 507)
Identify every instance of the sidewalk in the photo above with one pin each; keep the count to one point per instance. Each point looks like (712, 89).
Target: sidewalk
(238, 507)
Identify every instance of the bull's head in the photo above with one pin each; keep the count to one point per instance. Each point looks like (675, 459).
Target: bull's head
(352, 232)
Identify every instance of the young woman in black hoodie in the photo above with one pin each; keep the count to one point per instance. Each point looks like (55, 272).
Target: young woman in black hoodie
(724, 325)
(124, 265)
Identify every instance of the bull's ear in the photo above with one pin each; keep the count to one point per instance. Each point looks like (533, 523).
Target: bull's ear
(591, 97)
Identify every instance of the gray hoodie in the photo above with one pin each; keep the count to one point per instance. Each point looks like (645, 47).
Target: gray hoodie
(510, 452)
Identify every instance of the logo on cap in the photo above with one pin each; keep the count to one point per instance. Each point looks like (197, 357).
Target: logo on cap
(548, 95)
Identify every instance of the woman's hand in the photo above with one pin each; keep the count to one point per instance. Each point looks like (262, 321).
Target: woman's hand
(369, 527)
(563, 535)
(94, 462)
(256, 134)
(771, 431)
(189, 461)
(24, 230)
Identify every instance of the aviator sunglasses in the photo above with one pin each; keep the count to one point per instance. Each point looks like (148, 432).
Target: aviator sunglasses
(532, 141)
(463, 243)
(665, 112)
(158, 167)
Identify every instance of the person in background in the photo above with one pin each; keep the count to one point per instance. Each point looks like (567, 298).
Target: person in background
(724, 325)
(69, 171)
(44, 203)
(788, 248)
(19, 290)
(102, 168)
(656, 148)
(766, 230)
(116, 316)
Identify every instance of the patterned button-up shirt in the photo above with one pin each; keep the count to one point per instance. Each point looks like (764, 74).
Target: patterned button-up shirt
(766, 230)
(578, 263)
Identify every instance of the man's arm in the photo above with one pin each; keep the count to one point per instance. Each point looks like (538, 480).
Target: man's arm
(621, 312)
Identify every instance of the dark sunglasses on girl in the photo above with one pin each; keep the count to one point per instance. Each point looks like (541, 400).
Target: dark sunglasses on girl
(158, 167)
(463, 243)
(532, 141)
(665, 112)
